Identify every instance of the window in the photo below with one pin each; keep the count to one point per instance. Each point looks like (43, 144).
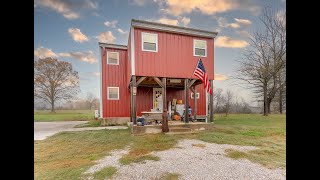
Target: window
(113, 93)
(149, 42)
(197, 95)
(200, 48)
(113, 58)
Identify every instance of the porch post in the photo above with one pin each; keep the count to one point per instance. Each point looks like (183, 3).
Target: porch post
(195, 102)
(131, 91)
(211, 103)
(134, 110)
(164, 93)
(186, 99)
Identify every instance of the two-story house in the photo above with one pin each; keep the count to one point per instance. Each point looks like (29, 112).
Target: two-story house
(155, 68)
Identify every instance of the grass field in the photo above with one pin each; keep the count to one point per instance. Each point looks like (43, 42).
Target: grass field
(64, 115)
(67, 155)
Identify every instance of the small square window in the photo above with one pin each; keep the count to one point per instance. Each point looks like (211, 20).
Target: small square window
(113, 58)
(149, 42)
(200, 48)
(113, 93)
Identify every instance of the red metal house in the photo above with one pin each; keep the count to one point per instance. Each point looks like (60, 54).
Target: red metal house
(159, 59)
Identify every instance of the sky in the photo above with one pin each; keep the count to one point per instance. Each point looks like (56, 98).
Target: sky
(70, 30)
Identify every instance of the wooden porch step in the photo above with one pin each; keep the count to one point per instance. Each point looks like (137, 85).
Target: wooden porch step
(179, 129)
(174, 133)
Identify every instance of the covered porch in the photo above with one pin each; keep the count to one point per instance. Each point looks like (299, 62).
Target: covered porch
(149, 96)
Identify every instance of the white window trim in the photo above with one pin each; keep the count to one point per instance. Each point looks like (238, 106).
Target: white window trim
(108, 57)
(143, 33)
(197, 95)
(194, 48)
(113, 98)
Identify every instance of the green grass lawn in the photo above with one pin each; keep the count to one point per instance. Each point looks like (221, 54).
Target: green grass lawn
(68, 154)
(64, 115)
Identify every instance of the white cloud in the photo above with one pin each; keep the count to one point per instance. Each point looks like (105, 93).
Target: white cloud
(67, 8)
(122, 31)
(168, 21)
(97, 74)
(42, 52)
(233, 25)
(106, 37)
(224, 41)
(77, 35)
(138, 2)
(209, 7)
(111, 23)
(223, 22)
(244, 33)
(245, 22)
(81, 56)
(220, 77)
(185, 21)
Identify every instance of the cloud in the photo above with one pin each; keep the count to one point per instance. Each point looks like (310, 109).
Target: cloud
(97, 74)
(185, 21)
(223, 22)
(111, 24)
(122, 31)
(233, 25)
(106, 37)
(138, 2)
(42, 52)
(220, 77)
(244, 33)
(168, 21)
(67, 7)
(227, 42)
(175, 22)
(208, 7)
(77, 35)
(245, 22)
(81, 56)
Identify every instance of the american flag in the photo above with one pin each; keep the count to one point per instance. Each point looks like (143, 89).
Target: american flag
(200, 72)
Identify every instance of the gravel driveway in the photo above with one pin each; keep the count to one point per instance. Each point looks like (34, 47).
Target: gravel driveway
(42, 130)
(191, 162)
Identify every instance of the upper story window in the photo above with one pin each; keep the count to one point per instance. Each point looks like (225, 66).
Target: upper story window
(149, 42)
(113, 58)
(113, 93)
(200, 48)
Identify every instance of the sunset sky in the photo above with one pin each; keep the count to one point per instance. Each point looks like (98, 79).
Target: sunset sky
(71, 29)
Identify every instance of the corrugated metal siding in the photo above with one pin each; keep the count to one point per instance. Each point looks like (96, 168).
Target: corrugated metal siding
(174, 57)
(129, 60)
(115, 76)
(145, 94)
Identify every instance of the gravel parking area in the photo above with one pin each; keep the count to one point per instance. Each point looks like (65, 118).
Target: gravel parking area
(206, 161)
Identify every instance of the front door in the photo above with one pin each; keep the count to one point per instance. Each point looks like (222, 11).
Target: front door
(157, 99)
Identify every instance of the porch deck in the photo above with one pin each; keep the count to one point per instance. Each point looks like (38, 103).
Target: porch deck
(174, 126)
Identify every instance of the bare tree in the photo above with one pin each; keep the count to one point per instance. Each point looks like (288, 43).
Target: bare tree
(54, 81)
(264, 59)
(228, 101)
(91, 100)
(217, 98)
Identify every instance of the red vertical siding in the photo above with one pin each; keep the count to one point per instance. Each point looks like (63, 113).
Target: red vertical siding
(174, 57)
(115, 76)
(145, 94)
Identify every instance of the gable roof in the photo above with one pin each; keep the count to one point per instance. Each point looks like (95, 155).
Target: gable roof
(174, 29)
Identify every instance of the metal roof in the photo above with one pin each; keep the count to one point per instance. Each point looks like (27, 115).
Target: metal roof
(115, 46)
